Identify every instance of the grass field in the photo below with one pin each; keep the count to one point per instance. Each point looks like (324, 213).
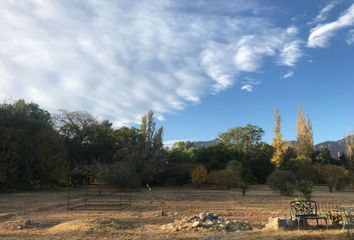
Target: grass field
(143, 221)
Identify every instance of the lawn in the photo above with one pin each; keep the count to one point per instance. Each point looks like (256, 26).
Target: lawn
(143, 221)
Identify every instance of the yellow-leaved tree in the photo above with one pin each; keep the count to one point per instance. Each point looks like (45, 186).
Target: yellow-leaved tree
(277, 142)
(304, 144)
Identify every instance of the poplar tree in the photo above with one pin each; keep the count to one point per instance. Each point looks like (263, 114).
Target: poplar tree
(277, 142)
(349, 145)
(304, 144)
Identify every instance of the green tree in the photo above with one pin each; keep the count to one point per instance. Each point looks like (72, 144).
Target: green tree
(323, 156)
(154, 157)
(259, 162)
(242, 137)
(32, 154)
(242, 176)
(282, 181)
(331, 174)
(199, 175)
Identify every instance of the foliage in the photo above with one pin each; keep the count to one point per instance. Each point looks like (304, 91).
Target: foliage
(119, 174)
(32, 153)
(242, 137)
(282, 181)
(221, 178)
(349, 145)
(304, 136)
(153, 156)
(302, 169)
(323, 156)
(289, 154)
(199, 175)
(344, 182)
(38, 150)
(305, 187)
(259, 162)
(331, 174)
(242, 176)
(277, 142)
(176, 174)
(215, 156)
(182, 152)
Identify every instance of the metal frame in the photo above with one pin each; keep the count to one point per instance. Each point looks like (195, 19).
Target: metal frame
(348, 219)
(98, 198)
(305, 210)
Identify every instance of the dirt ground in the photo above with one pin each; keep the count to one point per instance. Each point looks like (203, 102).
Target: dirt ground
(143, 221)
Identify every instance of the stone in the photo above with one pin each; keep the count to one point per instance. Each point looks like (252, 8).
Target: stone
(195, 224)
(193, 218)
(33, 224)
(202, 216)
(206, 221)
(279, 223)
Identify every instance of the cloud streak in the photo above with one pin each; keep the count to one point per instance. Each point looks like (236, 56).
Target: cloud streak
(321, 34)
(322, 16)
(118, 59)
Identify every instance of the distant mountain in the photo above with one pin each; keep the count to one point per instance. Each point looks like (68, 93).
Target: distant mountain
(199, 144)
(334, 147)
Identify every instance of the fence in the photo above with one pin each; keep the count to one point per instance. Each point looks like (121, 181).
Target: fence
(98, 198)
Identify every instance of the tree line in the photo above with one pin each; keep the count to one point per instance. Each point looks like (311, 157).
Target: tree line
(39, 150)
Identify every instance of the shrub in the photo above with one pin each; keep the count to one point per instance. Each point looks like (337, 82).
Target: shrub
(242, 176)
(302, 169)
(199, 175)
(305, 187)
(331, 174)
(221, 178)
(118, 175)
(282, 181)
(343, 182)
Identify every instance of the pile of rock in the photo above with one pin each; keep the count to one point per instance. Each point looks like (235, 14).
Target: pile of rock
(207, 221)
(33, 224)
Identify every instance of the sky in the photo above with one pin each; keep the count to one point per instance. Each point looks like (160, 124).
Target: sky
(202, 66)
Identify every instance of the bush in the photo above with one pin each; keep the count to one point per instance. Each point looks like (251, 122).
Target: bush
(343, 182)
(302, 169)
(331, 174)
(305, 187)
(282, 181)
(118, 175)
(199, 175)
(221, 178)
(242, 176)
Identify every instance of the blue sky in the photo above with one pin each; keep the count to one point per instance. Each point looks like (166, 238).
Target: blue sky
(202, 66)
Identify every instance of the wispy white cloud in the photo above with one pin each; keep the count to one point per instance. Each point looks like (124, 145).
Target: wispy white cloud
(288, 74)
(350, 37)
(247, 88)
(291, 53)
(118, 59)
(321, 34)
(248, 84)
(323, 14)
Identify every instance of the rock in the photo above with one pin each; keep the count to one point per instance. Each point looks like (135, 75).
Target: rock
(202, 216)
(279, 223)
(33, 224)
(195, 224)
(207, 221)
(193, 218)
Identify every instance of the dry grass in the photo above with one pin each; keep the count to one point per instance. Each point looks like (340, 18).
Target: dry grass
(142, 220)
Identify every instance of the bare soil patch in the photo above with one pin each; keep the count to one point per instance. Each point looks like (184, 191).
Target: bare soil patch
(143, 221)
